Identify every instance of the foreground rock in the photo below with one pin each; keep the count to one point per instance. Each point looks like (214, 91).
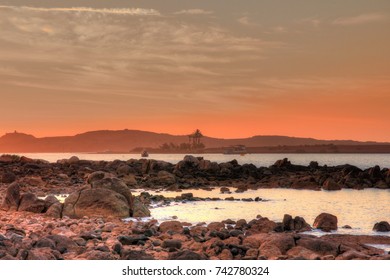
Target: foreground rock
(31, 236)
(326, 222)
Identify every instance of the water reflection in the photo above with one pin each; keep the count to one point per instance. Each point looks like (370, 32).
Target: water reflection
(359, 209)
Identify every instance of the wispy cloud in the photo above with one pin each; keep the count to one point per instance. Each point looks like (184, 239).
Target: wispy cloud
(194, 12)
(360, 19)
(246, 21)
(120, 11)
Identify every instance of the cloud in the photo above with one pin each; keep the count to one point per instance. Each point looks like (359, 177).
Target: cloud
(246, 21)
(120, 11)
(360, 19)
(194, 12)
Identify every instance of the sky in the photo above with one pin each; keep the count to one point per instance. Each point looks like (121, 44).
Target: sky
(304, 68)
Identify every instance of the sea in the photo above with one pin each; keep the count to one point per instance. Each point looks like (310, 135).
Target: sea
(359, 209)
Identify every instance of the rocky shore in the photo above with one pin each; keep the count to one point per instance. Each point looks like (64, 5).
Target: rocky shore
(89, 223)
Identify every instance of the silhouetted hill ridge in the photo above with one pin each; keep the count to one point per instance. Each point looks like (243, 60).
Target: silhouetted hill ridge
(126, 140)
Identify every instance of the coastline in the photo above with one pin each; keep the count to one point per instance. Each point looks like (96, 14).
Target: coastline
(53, 235)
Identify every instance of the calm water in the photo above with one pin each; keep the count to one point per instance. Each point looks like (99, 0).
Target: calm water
(359, 209)
(362, 161)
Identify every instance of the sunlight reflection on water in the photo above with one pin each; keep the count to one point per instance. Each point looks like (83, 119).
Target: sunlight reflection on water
(359, 209)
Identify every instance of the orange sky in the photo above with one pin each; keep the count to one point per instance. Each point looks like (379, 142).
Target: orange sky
(232, 70)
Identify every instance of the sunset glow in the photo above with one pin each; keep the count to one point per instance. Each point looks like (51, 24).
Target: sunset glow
(298, 68)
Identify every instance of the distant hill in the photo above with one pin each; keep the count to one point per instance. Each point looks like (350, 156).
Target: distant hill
(127, 140)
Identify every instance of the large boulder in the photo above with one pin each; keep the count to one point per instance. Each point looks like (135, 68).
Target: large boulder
(382, 226)
(116, 185)
(92, 202)
(325, 222)
(12, 198)
(30, 203)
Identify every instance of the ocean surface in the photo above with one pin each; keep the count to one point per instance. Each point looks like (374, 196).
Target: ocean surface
(362, 161)
(360, 209)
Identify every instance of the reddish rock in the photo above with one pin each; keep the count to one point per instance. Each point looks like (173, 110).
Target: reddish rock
(12, 198)
(216, 226)
(172, 226)
(96, 202)
(318, 246)
(325, 222)
(331, 185)
(302, 252)
(30, 203)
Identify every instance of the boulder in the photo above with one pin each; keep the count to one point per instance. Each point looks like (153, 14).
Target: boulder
(282, 163)
(331, 185)
(325, 222)
(296, 224)
(173, 226)
(92, 202)
(55, 210)
(12, 198)
(139, 209)
(382, 227)
(30, 203)
(73, 160)
(166, 178)
(116, 185)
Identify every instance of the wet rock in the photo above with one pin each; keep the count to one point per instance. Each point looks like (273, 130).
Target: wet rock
(139, 209)
(382, 227)
(96, 202)
(30, 203)
(331, 185)
(325, 222)
(12, 198)
(296, 224)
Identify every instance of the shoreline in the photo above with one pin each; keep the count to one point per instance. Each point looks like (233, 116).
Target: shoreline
(89, 224)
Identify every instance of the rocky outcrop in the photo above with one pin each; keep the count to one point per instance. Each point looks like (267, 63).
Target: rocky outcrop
(325, 222)
(331, 185)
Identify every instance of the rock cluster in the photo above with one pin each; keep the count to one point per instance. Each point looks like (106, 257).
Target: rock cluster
(31, 236)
